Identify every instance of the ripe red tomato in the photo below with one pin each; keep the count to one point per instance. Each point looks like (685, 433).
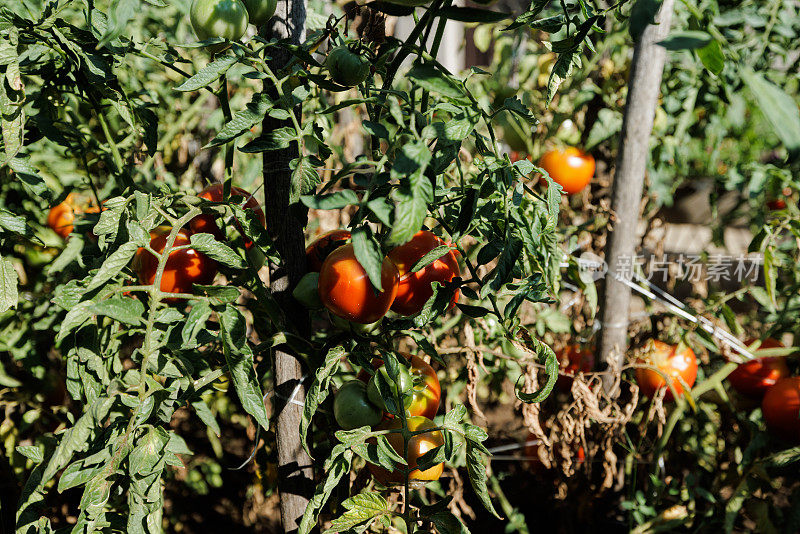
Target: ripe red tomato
(320, 249)
(346, 67)
(346, 291)
(579, 360)
(417, 446)
(532, 453)
(415, 288)
(672, 360)
(571, 168)
(426, 391)
(184, 267)
(61, 217)
(753, 378)
(205, 223)
(781, 408)
(352, 409)
(218, 18)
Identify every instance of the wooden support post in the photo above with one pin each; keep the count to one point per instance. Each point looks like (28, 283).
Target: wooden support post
(643, 91)
(286, 223)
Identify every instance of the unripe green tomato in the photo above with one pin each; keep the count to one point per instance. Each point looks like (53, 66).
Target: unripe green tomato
(401, 387)
(352, 408)
(260, 11)
(346, 67)
(219, 18)
(306, 293)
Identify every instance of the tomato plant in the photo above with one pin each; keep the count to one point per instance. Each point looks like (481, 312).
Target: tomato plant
(422, 395)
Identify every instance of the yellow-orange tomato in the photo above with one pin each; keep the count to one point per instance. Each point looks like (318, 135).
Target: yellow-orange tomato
(570, 167)
(184, 267)
(205, 223)
(417, 446)
(670, 362)
(61, 217)
(415, 288)
(345, 288)
(753, 378)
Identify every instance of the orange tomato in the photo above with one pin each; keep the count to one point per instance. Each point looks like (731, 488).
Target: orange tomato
(320, 249)
(415, 288)
(417, 446)
(781, 409)
(670, 361)
(62, 216)
(753, 378)
(184, 267)
(345, 288)
(570, 167)
(205, 223)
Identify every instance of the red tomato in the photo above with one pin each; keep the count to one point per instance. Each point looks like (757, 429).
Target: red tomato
(320, 249)
(753, 378)
(781, 408)
(346, 291)
(532, 453)
(672, 363)
(579, 360)
(61, 217)
(415, 288)
(426, 391)
(417, 446)
(571, 168)
(205, 223)
(184, 267)
(517, 156)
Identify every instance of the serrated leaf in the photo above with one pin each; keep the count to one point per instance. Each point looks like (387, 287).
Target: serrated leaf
(206, 244)
(208, 74)
(430, 78)
(368, 253)
(113, 264)
(123, 309)
(8, 285)
(318, 391)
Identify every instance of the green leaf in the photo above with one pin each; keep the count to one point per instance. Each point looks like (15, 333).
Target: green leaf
(686, 40)
(239, 356)
(121, 12)
(206, 416)
(505, 267)
(643, 13)
(123, 309)
(535, 8)
(218, 294)
(8, 285)
(542, 351)
(243, 120)
(208, 74)
(337, 466)
(430, 78)
(476, 469)
(31, 452)
(471, 14)
(331, 201)
(114, 264)
(30, 178)
(779, 108)
(318, 390)
(268, 141)
(368, 253)
(206, 244)
(562, 69)
(360, 509)
(712, 57)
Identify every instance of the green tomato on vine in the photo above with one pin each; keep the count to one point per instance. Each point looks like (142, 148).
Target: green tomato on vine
(227, 19)
(260, 11)
(347, 67)
(352, 407)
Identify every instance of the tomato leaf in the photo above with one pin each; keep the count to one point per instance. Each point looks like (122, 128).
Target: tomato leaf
(368, 254)
(8, 285)
(361, 508)
(206, 244)
(209, 74)
(336, 466)
(318, 391)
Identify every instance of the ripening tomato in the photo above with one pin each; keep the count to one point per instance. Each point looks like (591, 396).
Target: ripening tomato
(260, 11)
(781, 408)
(205, 223)
(519, 156)
(415, 288)
(353, 409)
(399, 387)
(184, 267)
(61, 217)
(753, 378)
(219, 18)
(532, 453)
(674, 361)
(571, 168)
(320, 249)
(346, 67)
(345, 288)
(417, 446)
(578, 360)
(425, 392)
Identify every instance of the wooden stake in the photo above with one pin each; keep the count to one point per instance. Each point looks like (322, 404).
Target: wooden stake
(643, 91)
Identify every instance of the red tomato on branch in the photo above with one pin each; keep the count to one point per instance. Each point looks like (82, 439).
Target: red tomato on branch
(578, 360)
(321, 248)
(206, 223)
(677, 362)
(415, 288)
(781, 409)
(753, 378)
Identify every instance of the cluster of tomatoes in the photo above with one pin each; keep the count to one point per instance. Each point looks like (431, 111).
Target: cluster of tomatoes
(347, 292)
(228, 19)
(416, 391)
(569, 167)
